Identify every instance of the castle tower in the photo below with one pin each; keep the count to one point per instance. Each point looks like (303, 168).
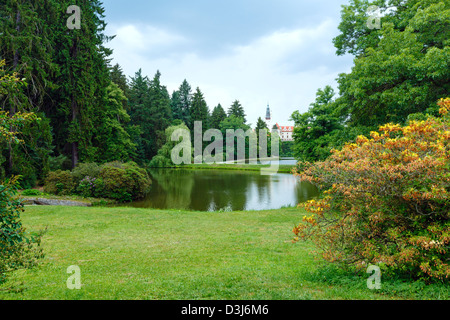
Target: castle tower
(269, 118)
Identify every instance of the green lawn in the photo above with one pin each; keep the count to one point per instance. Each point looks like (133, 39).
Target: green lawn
(127, 253)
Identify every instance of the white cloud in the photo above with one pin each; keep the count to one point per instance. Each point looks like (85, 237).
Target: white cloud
(282, 67)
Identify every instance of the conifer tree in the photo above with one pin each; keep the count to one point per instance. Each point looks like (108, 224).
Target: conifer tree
(237, 110)
(217, 116)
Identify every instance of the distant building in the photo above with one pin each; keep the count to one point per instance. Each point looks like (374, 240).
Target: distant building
(285, 132)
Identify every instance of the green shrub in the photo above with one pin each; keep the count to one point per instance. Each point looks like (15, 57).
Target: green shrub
(31, 192)
(124, 181)
(16, 249)
(83, 170)
(86, 187)
(60, 183)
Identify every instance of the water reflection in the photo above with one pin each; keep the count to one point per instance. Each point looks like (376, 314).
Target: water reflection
(214, 190)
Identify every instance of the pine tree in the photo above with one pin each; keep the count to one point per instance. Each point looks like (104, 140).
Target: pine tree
(118, 77)
(199, 110)
(26, 47)
(237, 110)
(185, 91)
(217, 116)
(114, 140)
(84, 77)
(161, 113)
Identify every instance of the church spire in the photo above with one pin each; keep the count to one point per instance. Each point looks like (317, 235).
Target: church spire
(268, 113)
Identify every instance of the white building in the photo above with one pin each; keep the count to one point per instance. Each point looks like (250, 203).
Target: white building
(285, 132)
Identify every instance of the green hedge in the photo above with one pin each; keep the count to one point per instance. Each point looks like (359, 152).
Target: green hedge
(119, 181)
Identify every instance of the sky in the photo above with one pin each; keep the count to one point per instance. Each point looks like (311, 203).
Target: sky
(259, 52)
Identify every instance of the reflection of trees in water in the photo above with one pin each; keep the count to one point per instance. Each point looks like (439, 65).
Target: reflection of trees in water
(173, 189)
(229, 194)
(211, 190)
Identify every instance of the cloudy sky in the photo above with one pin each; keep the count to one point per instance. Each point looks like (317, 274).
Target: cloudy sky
(255, 51)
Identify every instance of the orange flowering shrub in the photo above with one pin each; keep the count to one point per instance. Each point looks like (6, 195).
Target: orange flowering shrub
(386, 199)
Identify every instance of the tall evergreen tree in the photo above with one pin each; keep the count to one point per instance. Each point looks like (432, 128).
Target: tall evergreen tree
(27, 48)
(149, 106)
(175, 105)
(84, 77)
(161, 113)
(118, 77)
(199, 110)
(217, 116)
(185, 91)
(237, 110)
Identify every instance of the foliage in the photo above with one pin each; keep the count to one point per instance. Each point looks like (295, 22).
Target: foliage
(199, 111)
(217, 116)
(60, 162)
(113, 127)
(124, 181)
(83, 170)
(149, 109)
(386, 199)
(114, 180)
(181, 102)
(60, 183)
(17, 250)
(315, 131)
(401, 69)
(31, 192)
(164, 157)
(237, 110)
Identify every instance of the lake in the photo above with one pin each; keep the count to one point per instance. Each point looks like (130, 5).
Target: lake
(227, 190)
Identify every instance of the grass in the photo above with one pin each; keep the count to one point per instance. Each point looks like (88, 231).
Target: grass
(134, 254)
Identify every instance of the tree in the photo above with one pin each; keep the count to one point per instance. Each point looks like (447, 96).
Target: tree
(240, 141)
(314, 130)
(118, 77)
(149, 110)
(199, 111)
(164, 157)
(217, 116)
(17, 249)
(237, 110)
(401, 73)
(83, 79)
(26, 44)
(114, 139)
(185, 96)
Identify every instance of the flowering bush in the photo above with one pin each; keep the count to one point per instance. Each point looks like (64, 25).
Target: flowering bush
(386, 199)
(86, 187)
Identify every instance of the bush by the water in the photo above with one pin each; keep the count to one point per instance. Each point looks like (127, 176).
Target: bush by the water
(60, 182)
(386, 200)
(123, 182)
(31, 192)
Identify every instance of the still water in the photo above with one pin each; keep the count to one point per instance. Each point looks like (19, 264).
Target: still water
(214, 190)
